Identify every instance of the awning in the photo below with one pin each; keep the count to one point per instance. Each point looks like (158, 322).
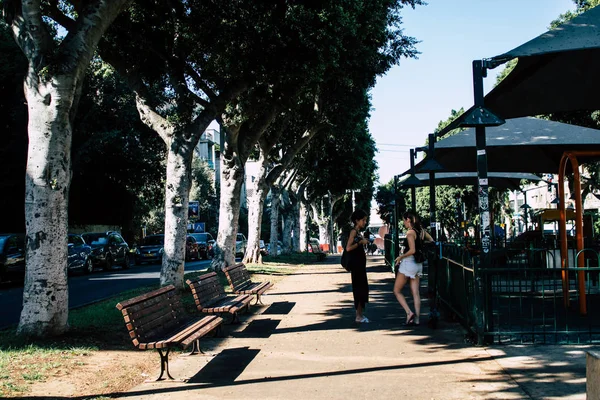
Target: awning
(500, 180)
(556, 72)
(520, 145)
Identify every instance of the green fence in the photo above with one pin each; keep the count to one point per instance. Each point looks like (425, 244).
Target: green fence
(520, 297)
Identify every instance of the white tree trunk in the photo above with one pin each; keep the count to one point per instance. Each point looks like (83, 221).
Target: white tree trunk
(45, 294)
(275, 201)
(232, 177)
(52, 88)
(303, 226)
(256, 196)
(295, 219)
(177, 196)
(322, 221)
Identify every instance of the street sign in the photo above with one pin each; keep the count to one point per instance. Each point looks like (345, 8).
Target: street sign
(193, 209)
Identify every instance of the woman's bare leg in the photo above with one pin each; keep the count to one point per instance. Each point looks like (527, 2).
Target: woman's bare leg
(359, 312)
(401, 280)
(414, 287)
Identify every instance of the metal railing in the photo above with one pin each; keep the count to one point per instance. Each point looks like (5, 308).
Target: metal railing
(523, 295)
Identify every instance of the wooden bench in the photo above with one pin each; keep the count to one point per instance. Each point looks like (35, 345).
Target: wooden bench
(155, 320)
(316, 250)
(210, 297)
(239, 280)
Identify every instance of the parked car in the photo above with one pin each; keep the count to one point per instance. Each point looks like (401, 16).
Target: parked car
(108, 249)
(240, 245)
(192, 250)
(12, 256)
(151, 249)
(205, 244)
(79, 255)
(263, 248)
(274, 252)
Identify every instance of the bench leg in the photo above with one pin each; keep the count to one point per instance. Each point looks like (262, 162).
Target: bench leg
(258, 300)
(195, 349)
(164, 364)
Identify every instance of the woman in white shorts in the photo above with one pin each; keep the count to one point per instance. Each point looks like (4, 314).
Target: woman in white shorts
(409, 269)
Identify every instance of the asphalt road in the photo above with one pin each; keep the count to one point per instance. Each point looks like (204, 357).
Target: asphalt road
(85, 289)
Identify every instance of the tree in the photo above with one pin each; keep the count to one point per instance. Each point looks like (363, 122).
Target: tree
(52, 84)
(184, 78)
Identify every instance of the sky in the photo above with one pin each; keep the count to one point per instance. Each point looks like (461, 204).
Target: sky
(410, 100)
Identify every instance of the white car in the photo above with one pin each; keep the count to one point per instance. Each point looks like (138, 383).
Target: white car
(240, 245)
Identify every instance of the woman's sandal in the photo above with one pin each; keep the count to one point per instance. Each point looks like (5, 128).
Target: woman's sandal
(410, 320)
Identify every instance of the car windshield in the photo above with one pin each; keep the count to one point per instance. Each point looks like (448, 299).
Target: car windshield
(153, 241)
(95, 239)
(200, 237)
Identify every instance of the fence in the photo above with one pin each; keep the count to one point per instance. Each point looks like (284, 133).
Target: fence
(520, 296)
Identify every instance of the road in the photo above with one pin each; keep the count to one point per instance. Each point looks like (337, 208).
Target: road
(85, 289)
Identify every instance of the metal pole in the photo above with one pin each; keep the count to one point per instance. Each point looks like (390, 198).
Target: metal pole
(432, 214)
(395, 244)
(482, 313)
(332, 241)
(413, 189)
(525, 208)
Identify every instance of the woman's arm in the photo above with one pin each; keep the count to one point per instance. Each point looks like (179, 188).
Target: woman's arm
(350, 245)
(428, 237)
(410, 238)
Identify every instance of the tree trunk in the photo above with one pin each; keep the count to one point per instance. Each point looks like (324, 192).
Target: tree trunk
(322, 221)
(52, 89)
(275, 201)
(303, 222)
(295, 218)
(177, 196)
(45, 293)
(232, 177)
(256, 196)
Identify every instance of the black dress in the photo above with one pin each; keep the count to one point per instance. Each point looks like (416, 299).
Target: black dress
(357, 260)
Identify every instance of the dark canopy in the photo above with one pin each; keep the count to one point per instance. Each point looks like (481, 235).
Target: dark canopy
(500, 180)
(520, 145)
(556, 72)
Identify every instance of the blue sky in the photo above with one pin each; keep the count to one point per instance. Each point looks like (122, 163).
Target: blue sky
(413, 97)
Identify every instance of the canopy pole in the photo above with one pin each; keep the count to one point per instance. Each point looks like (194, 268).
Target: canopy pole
(482, 315)
(432, 213)
(579, 233)
(562, 228)
(413, 189)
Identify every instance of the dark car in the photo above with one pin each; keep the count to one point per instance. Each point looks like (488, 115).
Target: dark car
(151, 249)
(205, 244)
(79, 255)
(12, 256)
(108, 249)
(192, 250)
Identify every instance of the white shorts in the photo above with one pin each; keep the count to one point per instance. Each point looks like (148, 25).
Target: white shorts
(410, 268)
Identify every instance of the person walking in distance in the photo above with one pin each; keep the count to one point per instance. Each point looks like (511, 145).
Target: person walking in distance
(409, 269)
(357, 261)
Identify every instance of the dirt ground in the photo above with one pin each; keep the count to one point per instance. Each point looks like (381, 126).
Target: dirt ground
(99, 373)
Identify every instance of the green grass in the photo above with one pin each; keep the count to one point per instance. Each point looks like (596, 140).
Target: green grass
(299, 259)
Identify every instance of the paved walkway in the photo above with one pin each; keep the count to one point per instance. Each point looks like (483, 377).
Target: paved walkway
(304, 344)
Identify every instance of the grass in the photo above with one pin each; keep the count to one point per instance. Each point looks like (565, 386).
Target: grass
(96, 327)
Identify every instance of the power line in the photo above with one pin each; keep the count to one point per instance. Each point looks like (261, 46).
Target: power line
(399, 145)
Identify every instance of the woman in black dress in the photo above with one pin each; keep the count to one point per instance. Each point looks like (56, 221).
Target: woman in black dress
(357, 261)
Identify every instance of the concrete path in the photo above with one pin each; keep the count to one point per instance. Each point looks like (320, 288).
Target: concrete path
(304, 344)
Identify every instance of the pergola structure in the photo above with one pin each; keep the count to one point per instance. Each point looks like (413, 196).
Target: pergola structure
(556, 72)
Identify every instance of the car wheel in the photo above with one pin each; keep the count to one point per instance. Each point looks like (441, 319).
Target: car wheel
(126, 264)
(88, 267)
(108, 264)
